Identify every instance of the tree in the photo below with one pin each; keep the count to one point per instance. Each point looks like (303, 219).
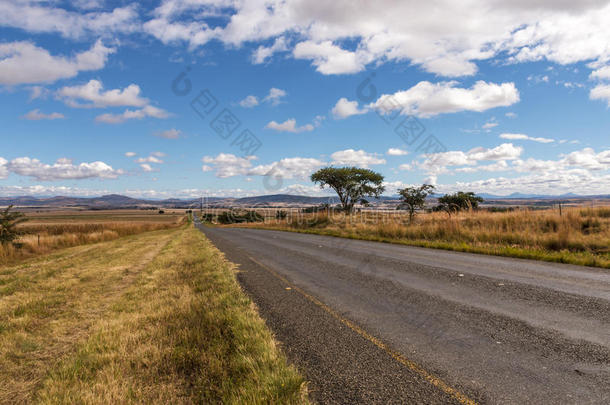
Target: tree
(413, 198)
(351, 184)
(459, 201)
(8, 225)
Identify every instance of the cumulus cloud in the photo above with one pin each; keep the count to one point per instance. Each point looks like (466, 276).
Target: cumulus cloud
(149, 159)
(524, 137)
(227, 164)
(601, 92)
(328, 58)
(397, 152)
(437, 163)
(249, 102)
(36, 16)
(275, 96)
(169, 134)
(23, 62)
(442, 37)
(3, 168)
(290, 125)
(427, 99)
(602, 73)
(263, 53)
(36, 115)
(130, 154)
(288, 168)
(62, 169)
(147, 111)
(351, 157)
(94, 95)
(345, 108)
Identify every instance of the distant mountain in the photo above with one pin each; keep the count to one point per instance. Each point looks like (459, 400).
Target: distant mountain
(275, 200)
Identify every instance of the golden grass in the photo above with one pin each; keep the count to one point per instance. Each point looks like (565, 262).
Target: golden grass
(150, 318)
(579, 236)
(57, 230)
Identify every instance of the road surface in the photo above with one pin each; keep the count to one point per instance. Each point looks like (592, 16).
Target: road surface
(368, 322)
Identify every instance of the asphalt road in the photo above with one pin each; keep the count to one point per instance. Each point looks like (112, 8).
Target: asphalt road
(368, 322)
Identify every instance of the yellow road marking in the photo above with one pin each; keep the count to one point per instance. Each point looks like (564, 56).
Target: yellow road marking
(437, 382)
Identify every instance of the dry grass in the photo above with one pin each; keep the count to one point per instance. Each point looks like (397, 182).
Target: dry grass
(579, 236)
(46, 232)
(150, 318)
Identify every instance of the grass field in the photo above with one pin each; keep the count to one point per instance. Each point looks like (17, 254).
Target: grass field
(49, 230)
(578, 235)
(156, 317)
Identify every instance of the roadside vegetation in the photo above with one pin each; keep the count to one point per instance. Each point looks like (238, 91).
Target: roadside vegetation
(156, 317)
(37, 233)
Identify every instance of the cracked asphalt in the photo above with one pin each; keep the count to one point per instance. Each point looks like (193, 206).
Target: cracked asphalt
(368, 322)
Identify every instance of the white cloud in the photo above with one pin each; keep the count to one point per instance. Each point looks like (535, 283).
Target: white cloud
(169, 134)
(601, 92)
(288, 168)
(602, 73)
(490, 124)
(32, 16)
(405, 166)
(443, 37)
(148, 111)
(275, 96)
(524, 137)
(588, 159)
(36, 115)
(290, 125)
(511, 114)
(93, 93)
(427, 99)
(437, 163)
(3, 168)
(228, 165)
(351, 157)
(130, 154)
(150, 159)
(146, 167)
(37, 92)
(345, 108)
(23, 62)
(328, 58)
(62, 169)
(263, 53)
(249, 101)
(396, 152)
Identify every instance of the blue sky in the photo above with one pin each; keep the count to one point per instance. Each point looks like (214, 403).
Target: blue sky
(499, 98)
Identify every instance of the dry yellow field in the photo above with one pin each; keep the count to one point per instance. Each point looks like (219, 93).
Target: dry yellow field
(47, 230)
(156, 317)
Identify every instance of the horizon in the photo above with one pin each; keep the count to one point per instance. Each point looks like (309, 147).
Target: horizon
(183, 99)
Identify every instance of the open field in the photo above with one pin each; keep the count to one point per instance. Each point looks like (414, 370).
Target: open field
(156, 317)
(46, 231)
(578, 235)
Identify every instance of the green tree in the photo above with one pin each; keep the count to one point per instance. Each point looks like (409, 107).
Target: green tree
(8, 224)
(351, 184)
(459, 201)
(414, 198)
